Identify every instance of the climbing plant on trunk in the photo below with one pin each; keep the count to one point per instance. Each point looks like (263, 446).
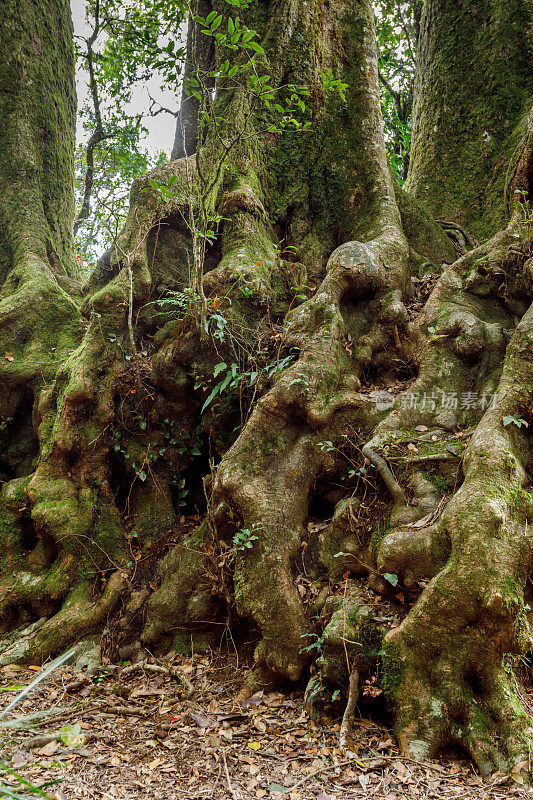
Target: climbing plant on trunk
(359, 415)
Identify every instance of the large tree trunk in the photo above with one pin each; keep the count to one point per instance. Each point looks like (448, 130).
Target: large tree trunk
(97, 448)
(473, 93)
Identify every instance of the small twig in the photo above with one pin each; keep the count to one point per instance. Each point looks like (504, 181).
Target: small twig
(428, 457)
(125, 711)
(142, 665)
(388, 478)
(41, 740)
(327, 768)
(226, 770)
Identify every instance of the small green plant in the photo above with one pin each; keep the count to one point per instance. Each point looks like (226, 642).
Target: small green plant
(391, 578)
(235, 380)
(434, 336)
(317, 643)
(176, 302)
(299, 380)
(515, 420)
(245, 537)
(181, 491)
(246, 290)
(327, 446)
(330, 83)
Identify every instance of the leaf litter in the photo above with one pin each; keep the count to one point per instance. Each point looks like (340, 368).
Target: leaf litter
(123, 733)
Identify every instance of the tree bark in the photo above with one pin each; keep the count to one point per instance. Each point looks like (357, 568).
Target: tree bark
(472, 102)
(200, 58)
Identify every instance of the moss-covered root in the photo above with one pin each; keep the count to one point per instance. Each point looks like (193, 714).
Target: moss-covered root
(266, 477)
(461, 340)
(80, 615)
(445, 665)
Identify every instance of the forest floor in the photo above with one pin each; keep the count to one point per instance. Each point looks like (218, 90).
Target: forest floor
(119, 734)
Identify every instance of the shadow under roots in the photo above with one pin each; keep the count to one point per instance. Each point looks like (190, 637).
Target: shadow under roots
(187, 490)
(20, 615)
(319, 506)
(19, 444)
(387, 372)
(41, 550)
(168, 252)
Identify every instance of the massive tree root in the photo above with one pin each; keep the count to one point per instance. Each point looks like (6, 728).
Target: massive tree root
(64, 532)
(452, 684)
(445, 665)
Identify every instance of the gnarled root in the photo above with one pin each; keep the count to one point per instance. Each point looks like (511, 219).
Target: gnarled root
(79, 617)
(444, 666)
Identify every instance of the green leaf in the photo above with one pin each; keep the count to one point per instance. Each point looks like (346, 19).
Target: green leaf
(391, 578)
(254, 46)
(216, 23)
(211, 397)
(210, 17)
(71, 734)
(219, 368)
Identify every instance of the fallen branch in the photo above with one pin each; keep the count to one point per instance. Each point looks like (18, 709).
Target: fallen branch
(144, 666)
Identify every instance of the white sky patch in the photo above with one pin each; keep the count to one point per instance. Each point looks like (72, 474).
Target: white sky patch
(160, 128)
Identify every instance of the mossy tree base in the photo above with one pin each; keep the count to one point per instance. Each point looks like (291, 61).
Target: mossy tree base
(332, 453)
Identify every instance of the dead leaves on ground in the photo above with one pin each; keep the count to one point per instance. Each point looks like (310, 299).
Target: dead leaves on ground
(138, 736)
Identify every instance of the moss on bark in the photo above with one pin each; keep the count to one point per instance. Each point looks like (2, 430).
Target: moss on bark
(472, 97)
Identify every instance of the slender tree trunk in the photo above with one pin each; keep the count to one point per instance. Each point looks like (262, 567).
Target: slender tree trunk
(37, 138)
(200, 58)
